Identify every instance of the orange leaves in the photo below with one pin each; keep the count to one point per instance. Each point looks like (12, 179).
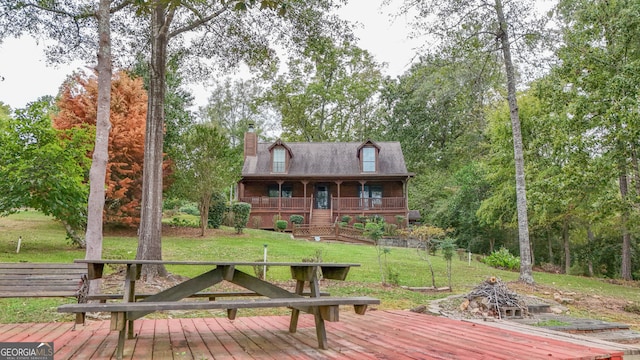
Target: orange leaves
(78, 107)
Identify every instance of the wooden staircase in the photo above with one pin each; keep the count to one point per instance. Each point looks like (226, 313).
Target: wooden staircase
(321, 217)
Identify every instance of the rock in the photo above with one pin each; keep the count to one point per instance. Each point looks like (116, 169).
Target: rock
(419, 309)
(465, 305)
(556, 310)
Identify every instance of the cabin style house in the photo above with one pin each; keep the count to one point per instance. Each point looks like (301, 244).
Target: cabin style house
(322, 181)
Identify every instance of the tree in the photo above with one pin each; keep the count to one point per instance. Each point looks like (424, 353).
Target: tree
(231, 26)
(77, 109)
(479, 27)
(233, 105)
(69, 22)
(208, 164)
(596, 84)
(329, 93)
(42, 168)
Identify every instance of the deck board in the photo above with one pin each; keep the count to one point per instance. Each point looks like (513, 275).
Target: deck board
(377, 335)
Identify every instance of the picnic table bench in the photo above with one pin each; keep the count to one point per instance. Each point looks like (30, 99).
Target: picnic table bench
(323, 308)
(19, 280)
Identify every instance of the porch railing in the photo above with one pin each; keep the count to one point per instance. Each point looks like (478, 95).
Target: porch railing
(354, 203)
(337, 204)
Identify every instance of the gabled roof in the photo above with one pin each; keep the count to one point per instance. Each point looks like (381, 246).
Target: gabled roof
(327, 160)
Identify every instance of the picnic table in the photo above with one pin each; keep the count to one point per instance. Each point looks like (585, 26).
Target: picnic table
(267, 294)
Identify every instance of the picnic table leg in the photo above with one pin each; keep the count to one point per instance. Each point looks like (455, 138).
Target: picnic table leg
(120, 350)
(321, 332)
(295, 313)
(129, 292)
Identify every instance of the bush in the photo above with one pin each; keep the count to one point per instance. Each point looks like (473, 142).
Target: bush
(346, 219)
(296, 219)
(343, 224)
(376, 219)
(390, 229)
(503, 259)
(217, 210)
(190, 208)
(373, 231)
(241, 213)
(361, 219)
(281, 225)
(359, 226)
(275, 220)
(256, 222)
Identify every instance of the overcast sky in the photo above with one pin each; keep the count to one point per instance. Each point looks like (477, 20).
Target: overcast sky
(27, 77)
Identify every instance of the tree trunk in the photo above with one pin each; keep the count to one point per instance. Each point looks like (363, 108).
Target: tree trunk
(625, 268)
(590, 239)
(550, 246)
(205, 203)
(565, 243)
(526, 273)
(150, 237)
(98, 171)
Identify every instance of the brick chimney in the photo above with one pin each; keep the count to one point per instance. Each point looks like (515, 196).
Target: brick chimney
(250, 142)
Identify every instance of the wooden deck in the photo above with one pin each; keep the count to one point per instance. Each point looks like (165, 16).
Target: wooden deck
(376, 335)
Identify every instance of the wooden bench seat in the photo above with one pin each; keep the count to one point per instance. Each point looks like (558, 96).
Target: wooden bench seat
(21, 280)
(301, 303)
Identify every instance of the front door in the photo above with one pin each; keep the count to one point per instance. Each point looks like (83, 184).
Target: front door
(322, 197)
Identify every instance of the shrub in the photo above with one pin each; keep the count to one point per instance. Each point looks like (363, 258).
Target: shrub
(275, 220)
(343, 224)
(256, 222)
(359, 226)
(241, 213)
(190, 208)
(281, 225)
(346, 219)
(296, 219)
(390, 229)
(361, 219)
(373, 231)
(502, 259)
(376, 219)
(217, 210)
(400, 220)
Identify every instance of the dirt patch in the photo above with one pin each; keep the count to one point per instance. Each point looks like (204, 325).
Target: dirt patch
(575, 304)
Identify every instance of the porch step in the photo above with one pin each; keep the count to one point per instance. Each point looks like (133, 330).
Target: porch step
(321, 217)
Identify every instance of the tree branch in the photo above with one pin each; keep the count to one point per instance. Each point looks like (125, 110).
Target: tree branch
(201, 20)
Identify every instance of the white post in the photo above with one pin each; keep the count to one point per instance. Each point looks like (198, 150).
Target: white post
(264, 269)
(469, 257)
(19, 243)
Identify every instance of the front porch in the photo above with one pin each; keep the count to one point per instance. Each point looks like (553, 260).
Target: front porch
(265, 209)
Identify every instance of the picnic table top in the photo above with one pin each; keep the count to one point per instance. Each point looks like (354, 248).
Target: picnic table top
(216, 263)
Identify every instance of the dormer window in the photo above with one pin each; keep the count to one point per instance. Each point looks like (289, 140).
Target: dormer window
(368, 159)
(368, 153)
(279, 160)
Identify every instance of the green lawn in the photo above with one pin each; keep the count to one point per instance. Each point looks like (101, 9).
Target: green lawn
(43, 240)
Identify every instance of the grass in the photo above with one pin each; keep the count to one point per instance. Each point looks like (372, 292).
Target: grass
(43, 240)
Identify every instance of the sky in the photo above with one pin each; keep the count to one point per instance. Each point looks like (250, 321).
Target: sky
(27, 76)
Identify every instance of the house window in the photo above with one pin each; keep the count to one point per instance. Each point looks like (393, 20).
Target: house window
(279, 160)
(287, 191)
(368, 159)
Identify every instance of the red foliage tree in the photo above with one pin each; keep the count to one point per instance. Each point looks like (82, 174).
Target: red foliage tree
(77, 108)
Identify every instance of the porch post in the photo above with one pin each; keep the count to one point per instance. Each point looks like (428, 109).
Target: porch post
(280, 182)
(362, 199)
(304, 199)
(339, 207)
